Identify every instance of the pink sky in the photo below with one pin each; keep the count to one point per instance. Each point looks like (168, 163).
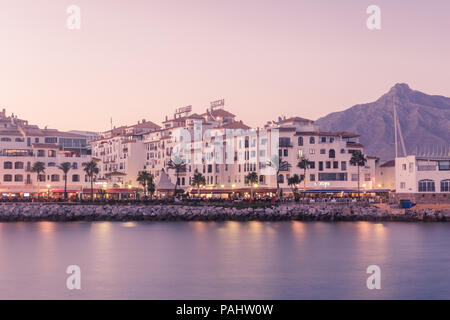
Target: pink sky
(142, 59)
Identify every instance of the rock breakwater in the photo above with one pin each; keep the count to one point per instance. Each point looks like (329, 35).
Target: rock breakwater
(135, 212)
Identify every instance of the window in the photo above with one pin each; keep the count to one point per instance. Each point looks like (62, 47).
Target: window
(285, 152)
(323, 151)
(341, 176)
(8, 165)
(312, 177)
(312, 151)
(335, 165)
(343, 165)
(284, 142)
(5, 139)
(51, 164)
(320, 166)
(312, 140)
(328, 164)
(354, 177)
(42, 177)
(426, 186)
(280, 178)
(18, 178)
(402, 185)
(404, 167)
(300, 141)
(19, 139)
(41, 153)
(331, 153)
(7, 177)
(445, 185)
(18, 165)
(51, 140)
(300, 153)
(55, 177)
(52, 153)
(342, 150)
(367, 177)
(444, 165)
(323, 139)
(312, 164)
(74, 165)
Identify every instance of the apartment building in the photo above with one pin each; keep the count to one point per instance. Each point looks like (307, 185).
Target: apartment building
(120, 153)
(225, 150)
(23, 144)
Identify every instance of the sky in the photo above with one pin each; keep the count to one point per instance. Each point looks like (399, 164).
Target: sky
(141, 59)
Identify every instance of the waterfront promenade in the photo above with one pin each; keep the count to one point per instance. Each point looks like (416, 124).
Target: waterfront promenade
(217, 212)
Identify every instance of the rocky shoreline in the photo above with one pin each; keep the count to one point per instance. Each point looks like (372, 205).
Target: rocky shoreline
(10, 212)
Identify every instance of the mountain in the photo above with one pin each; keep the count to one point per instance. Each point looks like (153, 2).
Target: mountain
(424, 120)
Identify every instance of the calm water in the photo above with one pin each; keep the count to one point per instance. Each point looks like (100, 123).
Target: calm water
(230, 260)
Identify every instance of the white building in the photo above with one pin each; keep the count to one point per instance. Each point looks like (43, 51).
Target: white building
(22, 144)
(423, 176)
(385, 175)
(120, 153)
(225, 150)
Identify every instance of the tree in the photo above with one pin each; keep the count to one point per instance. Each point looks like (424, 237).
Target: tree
(178, 165)
(278, 164)
(304, 164)
(359, 160)
(151, 185)
(197, 181)
(251, 178)
(143, 179)
(91, 169)
(38, 168)
(65, 168)
(293, 183)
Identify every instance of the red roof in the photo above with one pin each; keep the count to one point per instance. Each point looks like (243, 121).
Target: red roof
(219, 113)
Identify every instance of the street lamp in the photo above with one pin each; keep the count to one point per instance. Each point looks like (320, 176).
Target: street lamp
(48, 192)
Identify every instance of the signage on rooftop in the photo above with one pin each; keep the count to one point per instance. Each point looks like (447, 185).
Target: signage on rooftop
(183, 110)
(217, 103)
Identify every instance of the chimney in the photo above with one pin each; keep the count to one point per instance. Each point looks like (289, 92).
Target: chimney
(143, 120)
(166, 118)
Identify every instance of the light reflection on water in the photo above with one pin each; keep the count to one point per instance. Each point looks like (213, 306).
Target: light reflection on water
(224, 260)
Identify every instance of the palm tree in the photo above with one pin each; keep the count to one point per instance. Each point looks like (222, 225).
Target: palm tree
(177, 164)
(251, 178)
(198, 180)
(39, 168)
(359, 160)
(91, 170)
(293, 182)
(65, 168)
(143, 179)
(278, 164)
(304, 164)
(151, 185)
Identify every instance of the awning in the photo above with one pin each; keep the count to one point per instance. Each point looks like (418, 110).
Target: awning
(62, 191)
(113, 190)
